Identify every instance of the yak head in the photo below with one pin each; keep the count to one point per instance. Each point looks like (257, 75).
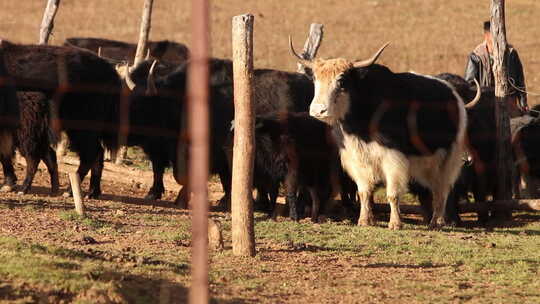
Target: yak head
(332, 89)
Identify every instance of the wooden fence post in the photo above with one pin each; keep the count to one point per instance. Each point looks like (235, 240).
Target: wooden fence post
(198, 126)
(47, 23)
(503, 153)
(144, 33)
(243, 234)
(75, 182)
(140, 53)
(312, 45)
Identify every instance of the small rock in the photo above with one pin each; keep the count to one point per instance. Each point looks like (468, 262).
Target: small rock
(490, 245)
(119, 213)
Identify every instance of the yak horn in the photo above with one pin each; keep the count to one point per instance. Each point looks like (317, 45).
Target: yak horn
(151, 89)
(99, 51)
(147, 54)
(473, 102)
(370, 61)
(304, 62)
(130, 83)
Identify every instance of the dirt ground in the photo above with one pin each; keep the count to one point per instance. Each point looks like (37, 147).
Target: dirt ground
(133, 251)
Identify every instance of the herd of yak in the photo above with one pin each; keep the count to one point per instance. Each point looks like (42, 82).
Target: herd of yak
(89, 89)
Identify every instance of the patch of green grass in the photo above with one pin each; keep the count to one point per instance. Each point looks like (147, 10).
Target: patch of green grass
(87, 221)
(41, 264)
(176, 231)
(59, 270)
(503, 257)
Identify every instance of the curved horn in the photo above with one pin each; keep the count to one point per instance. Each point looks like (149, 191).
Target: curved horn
(151, 89)
(147, 54)
(304, 62)
(370, 61)
(130, 83)
(476, 98)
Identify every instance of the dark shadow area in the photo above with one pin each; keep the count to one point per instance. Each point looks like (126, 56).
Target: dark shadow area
(19, 293)
(406, 266)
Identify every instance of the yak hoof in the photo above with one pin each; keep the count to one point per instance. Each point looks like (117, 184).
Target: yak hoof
(67, 194)
(396, 225)
(93, 195)
(436, 225)
(365, 222)
(7, 188)
(151, 197)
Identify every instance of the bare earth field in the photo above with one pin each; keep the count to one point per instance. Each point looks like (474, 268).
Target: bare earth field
(132, 251)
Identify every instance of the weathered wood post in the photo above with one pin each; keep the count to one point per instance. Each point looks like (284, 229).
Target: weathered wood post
(198, 122)
(45, 30)
(47, 23)
(140, 53)
(503, 153)
(313, 42)
(75, 182)
(243, 233)
(146, 22)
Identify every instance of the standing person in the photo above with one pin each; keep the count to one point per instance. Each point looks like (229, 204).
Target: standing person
(479, 66)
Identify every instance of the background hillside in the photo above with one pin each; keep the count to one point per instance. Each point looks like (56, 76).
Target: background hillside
(427, 36)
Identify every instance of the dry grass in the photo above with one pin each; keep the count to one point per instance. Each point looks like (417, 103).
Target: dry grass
(427, 36)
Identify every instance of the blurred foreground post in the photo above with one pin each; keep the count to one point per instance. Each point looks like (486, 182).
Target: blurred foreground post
(503, 153)
(312, 45)
(47, 23)
(75, 182)
(243, 235)
(198, 162)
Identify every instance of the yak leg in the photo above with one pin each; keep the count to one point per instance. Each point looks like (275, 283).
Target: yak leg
(273, 194)
(366, 217)
(95, 179)
(10, 179)
(31, 168)
(52, 167)
(225, 179)
(157, 189)
(392, 193)
(440, 194)
(183, 197)
(291, 198)
(315, 204)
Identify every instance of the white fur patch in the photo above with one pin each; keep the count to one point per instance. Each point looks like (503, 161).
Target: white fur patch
(329, 102)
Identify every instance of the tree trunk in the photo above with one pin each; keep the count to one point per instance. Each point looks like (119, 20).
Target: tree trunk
(503, 153)
(198, 125)
(243, 235)
(312, 45)
(47, 23)
(146, 21)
